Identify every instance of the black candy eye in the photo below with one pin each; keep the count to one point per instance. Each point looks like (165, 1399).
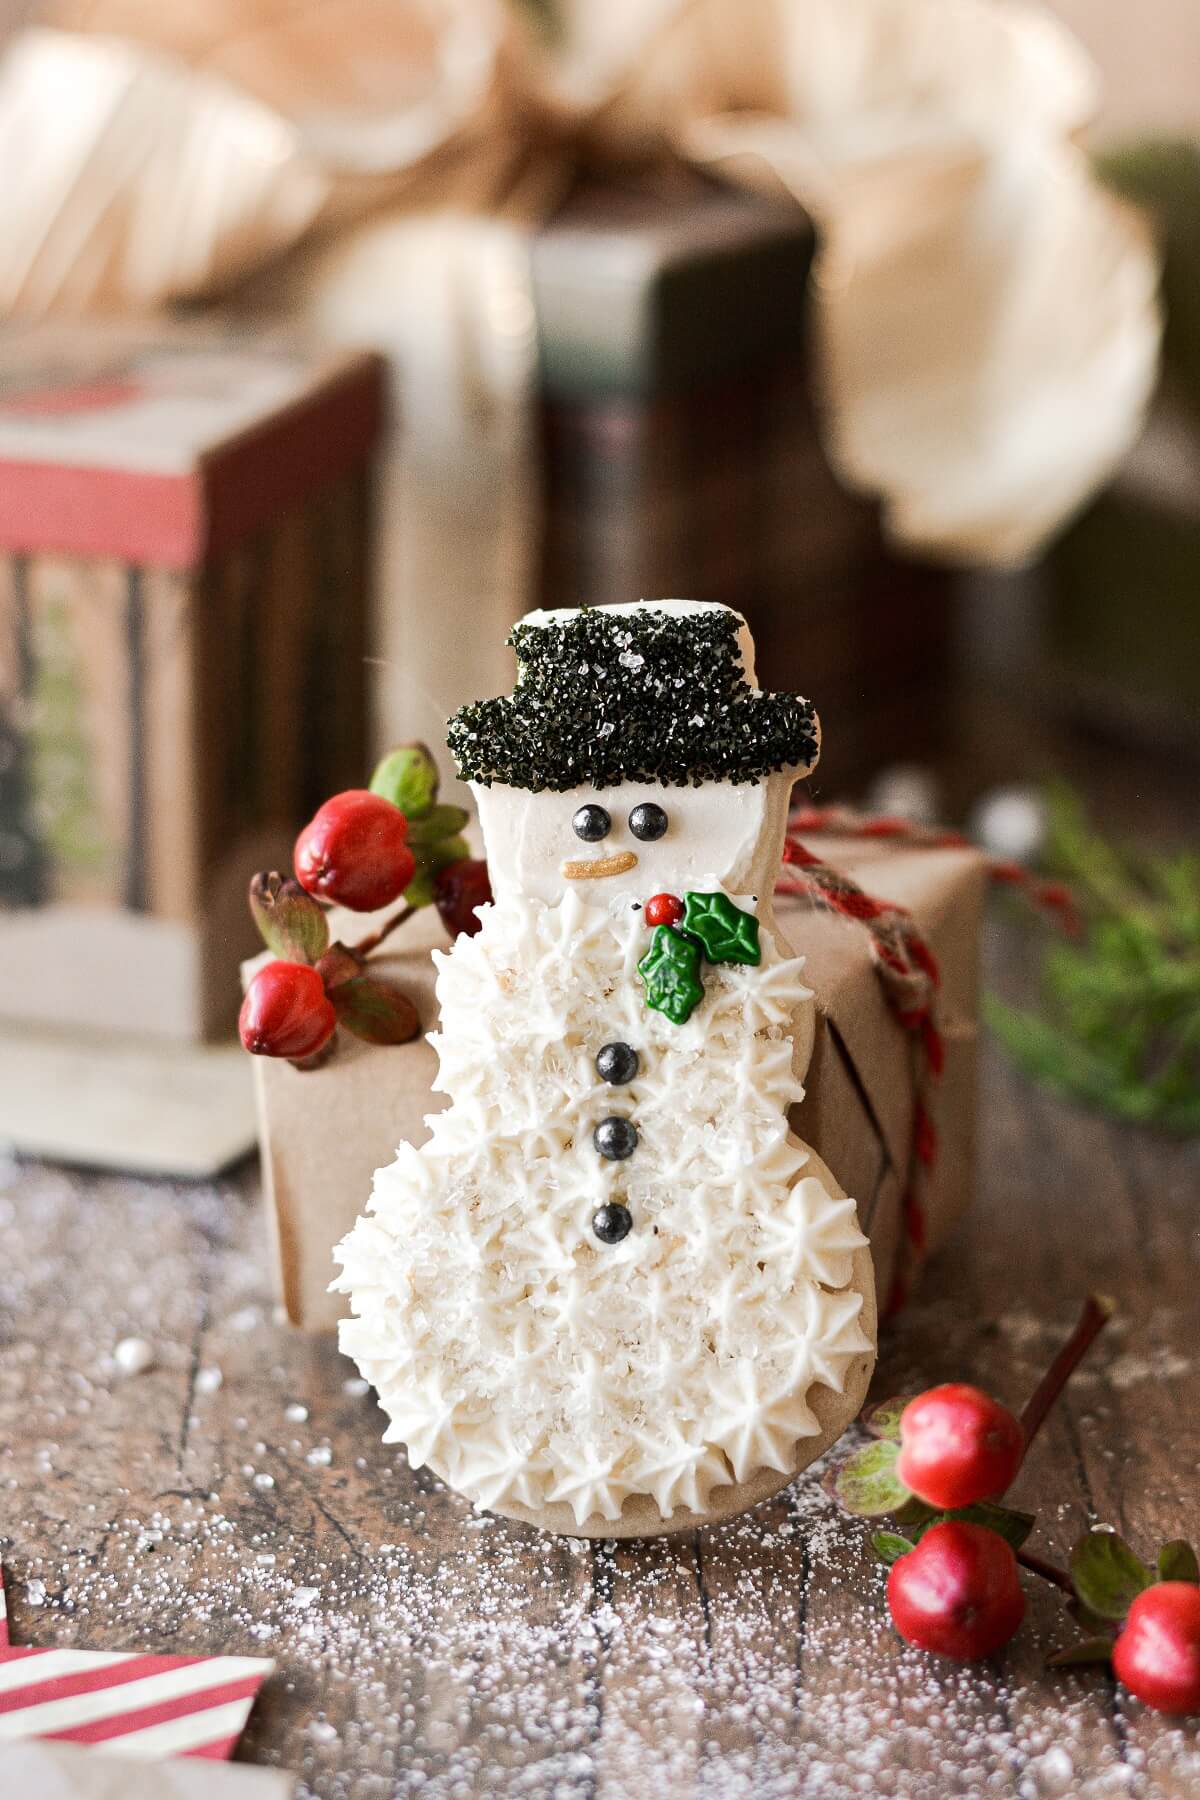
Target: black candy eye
(591, 823)
(647, 821)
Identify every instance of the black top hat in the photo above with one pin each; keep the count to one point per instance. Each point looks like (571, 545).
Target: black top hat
(652, 696)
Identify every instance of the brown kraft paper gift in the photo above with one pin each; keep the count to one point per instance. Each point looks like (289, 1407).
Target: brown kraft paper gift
(324, 1132)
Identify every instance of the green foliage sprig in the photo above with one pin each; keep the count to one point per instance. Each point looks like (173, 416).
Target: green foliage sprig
(1120, 1025)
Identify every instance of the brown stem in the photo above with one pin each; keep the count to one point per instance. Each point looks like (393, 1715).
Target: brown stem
(365, 945)
(1098, 1309)
(1029, 1559)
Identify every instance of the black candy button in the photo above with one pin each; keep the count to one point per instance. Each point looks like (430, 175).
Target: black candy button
(591, 823)
(611, 1223)
(616, 1063)
(648, 821)
(615, 1139)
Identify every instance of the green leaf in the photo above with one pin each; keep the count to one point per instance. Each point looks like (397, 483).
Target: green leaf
(1013, 1526)
(889, 1546)
(337, 966)
(1108, 1576)
(867, 1484)
(439, 822)
(1008, 1522)
(290, 922)
(726, 933)
(1091, 1622)
(1177, 1562)
(408, 777)
(419, 891)
(883, 1421)
(431, 859)
(915, 1512)
(376, 1010)
(1088, 1650)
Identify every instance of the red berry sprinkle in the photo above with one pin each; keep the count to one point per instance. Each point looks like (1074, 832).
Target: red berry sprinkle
(958, 1445)
(354, 852)
(457, 890)
(663, 909)
(957, 1593)
(286, 1012)
(1157, 1655)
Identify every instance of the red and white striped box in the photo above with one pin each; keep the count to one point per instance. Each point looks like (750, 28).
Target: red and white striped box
(139, 1707)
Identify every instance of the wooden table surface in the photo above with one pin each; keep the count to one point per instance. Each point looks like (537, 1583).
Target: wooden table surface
(447, 1655)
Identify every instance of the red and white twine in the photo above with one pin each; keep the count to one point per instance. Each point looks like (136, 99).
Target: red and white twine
(906, 966)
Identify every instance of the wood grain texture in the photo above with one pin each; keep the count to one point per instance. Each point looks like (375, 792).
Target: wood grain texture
(449, 1656)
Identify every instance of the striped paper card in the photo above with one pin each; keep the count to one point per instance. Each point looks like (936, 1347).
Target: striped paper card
(117, 1701)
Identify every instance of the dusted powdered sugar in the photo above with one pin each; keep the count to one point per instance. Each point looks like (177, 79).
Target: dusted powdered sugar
(522, 1359)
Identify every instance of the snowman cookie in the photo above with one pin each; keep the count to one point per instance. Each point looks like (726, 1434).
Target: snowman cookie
(613, 1295)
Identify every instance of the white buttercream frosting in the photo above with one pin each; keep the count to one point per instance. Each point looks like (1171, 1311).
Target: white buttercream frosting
(518, 1356)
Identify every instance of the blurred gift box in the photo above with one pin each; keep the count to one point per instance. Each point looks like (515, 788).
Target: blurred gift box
(184, 557)
(680, 455)
(1121, 648)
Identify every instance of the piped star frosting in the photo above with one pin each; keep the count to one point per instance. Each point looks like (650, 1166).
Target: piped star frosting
(523, 1360)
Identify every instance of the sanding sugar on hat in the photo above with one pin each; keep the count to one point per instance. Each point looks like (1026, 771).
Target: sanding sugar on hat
(654, 691)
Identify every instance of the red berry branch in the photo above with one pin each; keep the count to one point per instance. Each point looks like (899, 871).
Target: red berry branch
(363, 850)
(941, 1463)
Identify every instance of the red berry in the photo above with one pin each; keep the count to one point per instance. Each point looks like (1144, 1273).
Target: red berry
(958, 1593)
(457, 890)
(958, 1445)
(355, 852)
(1157, 1655)
(663, 909)
(286, 1012)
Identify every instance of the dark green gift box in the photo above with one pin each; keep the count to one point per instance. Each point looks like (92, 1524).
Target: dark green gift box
(681, 456)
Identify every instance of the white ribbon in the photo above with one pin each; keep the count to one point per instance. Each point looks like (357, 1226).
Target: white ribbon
(986, 311)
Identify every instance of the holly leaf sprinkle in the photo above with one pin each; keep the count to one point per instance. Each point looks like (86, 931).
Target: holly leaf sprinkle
(727, 934)
(867, 1484)
(1108, 1576)
(670, 970)
(1013, 1526)
(889, 1546)
(1177, 1562)
(375, 1010)
(290, 922)
(407, 777)
(1088, 1650)
(883, 1421)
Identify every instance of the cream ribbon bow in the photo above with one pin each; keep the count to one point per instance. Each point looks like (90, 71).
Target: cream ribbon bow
(986, 312)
